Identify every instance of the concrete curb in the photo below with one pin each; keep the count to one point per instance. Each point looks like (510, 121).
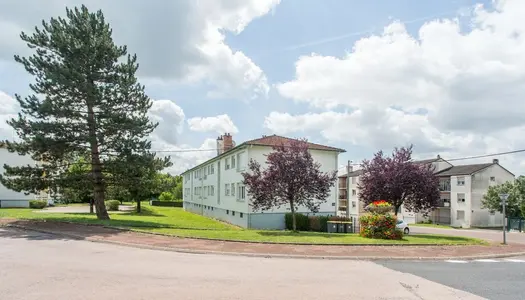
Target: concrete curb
(265, 255)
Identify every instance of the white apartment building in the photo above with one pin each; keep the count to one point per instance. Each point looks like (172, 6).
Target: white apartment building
(215, 188)
(461, 187)
(9, 198)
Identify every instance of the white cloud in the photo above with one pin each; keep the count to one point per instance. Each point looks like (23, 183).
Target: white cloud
(443, 90)
(165, 137)
(219, 124)
(174, 40)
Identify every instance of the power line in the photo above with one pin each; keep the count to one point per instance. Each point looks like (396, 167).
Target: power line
(487, 155)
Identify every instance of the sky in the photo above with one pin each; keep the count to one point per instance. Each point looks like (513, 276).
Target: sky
(447, 76)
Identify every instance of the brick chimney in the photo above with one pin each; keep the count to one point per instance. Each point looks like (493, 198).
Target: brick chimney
(228, 141)
(495, 161)
(349, 167)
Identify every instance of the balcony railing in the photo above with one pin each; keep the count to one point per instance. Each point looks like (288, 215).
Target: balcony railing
(443, 203)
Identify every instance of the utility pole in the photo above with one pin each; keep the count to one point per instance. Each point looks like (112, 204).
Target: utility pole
(504, 198)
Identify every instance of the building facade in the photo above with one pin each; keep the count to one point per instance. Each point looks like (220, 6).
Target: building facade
(461, 188)
(215, 188)
(9, 198)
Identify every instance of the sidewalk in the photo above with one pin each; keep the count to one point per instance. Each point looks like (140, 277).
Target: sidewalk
(159, 242)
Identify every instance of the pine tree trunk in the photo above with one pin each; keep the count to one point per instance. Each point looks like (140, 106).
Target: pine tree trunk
(294, 224)
(96, 169)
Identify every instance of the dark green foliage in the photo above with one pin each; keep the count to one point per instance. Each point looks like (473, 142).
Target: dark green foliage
(37, 204)
(302, 222)
(311, 223)
(86, 101)
(167, 203)
(112, 205)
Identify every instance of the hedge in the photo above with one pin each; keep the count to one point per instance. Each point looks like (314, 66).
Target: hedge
(166, 203)
(38, 204)
(311, 223)
(112, 205)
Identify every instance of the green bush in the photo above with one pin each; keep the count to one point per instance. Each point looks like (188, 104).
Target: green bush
(379, 226)
(302, 221)
(166, 196)
(112, 205)
(38, 204)
(166, 203)
(315, 223)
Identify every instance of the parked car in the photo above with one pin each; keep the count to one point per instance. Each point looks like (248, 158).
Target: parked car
(401, 224)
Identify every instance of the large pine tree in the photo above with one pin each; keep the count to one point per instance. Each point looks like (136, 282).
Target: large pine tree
(86, 98)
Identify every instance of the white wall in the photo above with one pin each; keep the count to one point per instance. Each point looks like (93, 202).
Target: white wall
(459, 206)
(329, 163)
(353, 197)
(13, 159)
(441, 165)
(480, 184)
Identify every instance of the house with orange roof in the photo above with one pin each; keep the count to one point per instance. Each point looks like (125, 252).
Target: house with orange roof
(215, 188)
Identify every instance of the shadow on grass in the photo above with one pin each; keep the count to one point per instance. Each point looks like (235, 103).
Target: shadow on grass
(439, 237)
(144, 211)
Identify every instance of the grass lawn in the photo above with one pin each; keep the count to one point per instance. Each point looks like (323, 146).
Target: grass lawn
(432, 225)
(177, 222)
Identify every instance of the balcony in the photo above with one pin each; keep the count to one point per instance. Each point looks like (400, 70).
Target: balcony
(443, 203)
(444, 186)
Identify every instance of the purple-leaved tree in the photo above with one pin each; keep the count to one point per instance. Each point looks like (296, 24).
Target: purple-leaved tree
(399, 181)
(291, 178)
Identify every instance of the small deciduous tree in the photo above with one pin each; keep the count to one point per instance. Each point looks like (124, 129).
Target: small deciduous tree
(515, 203)
(399, 181)
(292, 178)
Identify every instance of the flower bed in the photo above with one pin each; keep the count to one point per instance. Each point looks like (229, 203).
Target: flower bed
(379, 223)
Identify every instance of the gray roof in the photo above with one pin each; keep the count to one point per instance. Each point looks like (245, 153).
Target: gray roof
(353, 173)
(463, 170)
(426, 161)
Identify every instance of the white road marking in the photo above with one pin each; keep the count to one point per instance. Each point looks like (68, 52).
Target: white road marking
(457, 261)
(515, 260)
(486, 260)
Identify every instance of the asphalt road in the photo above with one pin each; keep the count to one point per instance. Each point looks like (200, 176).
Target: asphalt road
(486, 234)
(45, 267)
(498, 279)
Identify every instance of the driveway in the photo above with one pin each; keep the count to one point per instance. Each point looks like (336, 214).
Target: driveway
(489, 235)
(46, 267)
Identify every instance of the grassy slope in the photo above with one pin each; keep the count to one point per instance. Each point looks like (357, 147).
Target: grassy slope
(175, 221)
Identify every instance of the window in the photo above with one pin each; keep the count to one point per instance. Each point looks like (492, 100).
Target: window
(492, 213)
(233, 161)
(461, 197)
(208, 168)
(353, 204)
(241, 191)
(205, 191)
(461, 180)
(460, 215)
(195, 191)
(212, 190)
(194, 174)
(353, 180)
(212, 169)
(227, 189)
(240, 161)
(492, 178)
(233, 213)
(354, 192)
(241, 215)
(227, 163)
(333, 203)
(233, 189)
(227, 212)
